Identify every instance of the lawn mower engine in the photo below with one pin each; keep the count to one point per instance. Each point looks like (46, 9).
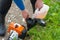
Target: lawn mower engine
(16, 31)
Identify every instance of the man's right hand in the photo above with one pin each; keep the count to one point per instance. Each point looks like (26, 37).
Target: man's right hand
(25, 14)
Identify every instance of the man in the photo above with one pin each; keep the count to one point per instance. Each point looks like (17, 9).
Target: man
(5, 5)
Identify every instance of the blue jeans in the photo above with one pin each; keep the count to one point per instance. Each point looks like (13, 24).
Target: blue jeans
(4, 6)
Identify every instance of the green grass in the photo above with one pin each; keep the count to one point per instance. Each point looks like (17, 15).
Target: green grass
(52, 29)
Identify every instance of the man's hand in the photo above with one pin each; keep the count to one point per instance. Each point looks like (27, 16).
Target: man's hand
(39, 4)
(25, 14)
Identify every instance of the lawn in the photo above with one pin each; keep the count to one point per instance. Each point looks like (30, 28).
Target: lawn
(52, 29)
